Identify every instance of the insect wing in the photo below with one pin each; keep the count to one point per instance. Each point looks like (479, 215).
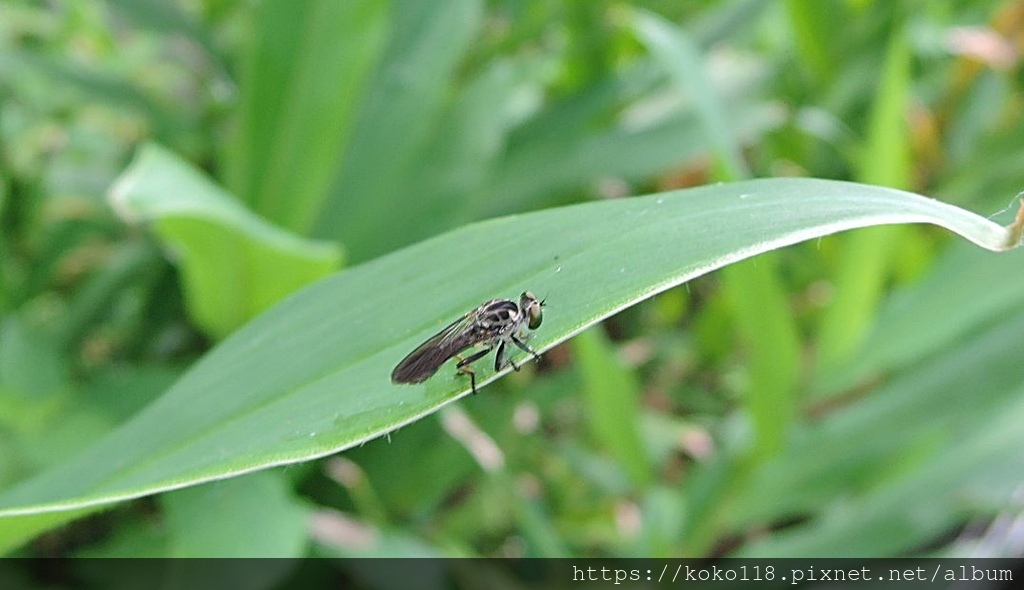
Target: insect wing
(424, 361)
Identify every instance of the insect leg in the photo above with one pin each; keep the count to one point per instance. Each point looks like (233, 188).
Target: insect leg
(526, 347)
(499, 357)
(500, 361)
(464, 368)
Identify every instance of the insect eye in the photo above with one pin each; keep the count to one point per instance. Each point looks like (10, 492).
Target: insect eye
(536, 315)
(528, 302)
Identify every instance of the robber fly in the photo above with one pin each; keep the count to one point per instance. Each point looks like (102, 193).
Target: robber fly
(496, 323)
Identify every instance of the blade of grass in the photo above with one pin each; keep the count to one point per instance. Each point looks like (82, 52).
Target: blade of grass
(911, 426)
(763, 318)
(867, 257)
(613, 404)
(983, 469)
(677, 52)
(303, 79)
(405, 102)
(916, 322)
(310, 377)
(813, 25)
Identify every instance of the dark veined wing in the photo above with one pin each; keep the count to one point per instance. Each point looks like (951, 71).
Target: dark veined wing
(424, 361)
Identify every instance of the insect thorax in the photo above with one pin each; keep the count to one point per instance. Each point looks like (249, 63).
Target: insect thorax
(499, 317)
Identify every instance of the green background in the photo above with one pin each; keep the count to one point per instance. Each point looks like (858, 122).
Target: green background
(223, 222)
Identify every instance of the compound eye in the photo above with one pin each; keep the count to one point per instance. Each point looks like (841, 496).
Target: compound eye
(536, 315)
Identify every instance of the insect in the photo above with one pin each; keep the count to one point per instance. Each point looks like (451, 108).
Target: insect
(498, 323)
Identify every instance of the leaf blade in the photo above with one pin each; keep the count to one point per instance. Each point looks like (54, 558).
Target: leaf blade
(310, 377)
(215, 237)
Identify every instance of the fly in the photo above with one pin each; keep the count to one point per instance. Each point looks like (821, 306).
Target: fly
(498, 323)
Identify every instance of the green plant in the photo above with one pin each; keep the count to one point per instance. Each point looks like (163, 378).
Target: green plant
(854, 395)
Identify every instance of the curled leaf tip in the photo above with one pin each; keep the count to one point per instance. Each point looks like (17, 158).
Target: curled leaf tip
(1017, 227)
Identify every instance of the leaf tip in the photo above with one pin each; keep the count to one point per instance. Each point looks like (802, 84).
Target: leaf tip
(1017, 227)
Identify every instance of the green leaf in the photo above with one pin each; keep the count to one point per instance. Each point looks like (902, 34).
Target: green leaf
(916, 437)
(537, 528)
(762, 317)
(449, 179)
(135, 539)
(663, 516)
(311, 376)
(761, 313)
(973, 476)
(405, 103)
(302, 84)
(131, 263)
(31, 366)
(421, 452)
(250, 516)
(916, 321)
(15, 531)
(613, 404)
(559, 149)
(680, 56)
(868, 257)
(813, 28)
(234, 264)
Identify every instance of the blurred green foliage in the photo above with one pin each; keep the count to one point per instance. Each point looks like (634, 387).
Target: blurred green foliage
(879, 370)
